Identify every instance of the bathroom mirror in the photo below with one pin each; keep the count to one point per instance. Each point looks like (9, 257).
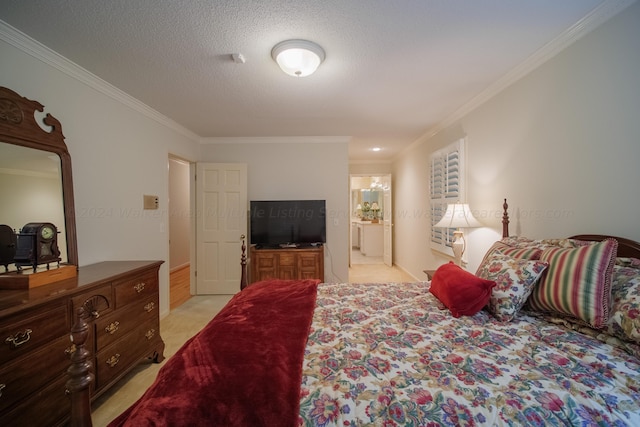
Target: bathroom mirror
(366, 197)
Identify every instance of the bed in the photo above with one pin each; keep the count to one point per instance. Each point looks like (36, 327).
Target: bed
(546, 332)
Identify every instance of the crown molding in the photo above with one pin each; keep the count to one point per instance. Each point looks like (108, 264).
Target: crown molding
(41, 52)
(277, 140)
(600, 14)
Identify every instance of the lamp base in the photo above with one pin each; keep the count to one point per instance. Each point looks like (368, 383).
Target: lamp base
(458, 246)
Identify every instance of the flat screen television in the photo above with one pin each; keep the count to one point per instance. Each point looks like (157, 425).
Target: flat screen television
(278, 223)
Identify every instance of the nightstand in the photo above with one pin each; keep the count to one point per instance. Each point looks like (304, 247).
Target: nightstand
(429, 273)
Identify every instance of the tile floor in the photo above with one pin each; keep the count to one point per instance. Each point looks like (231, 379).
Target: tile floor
(183, 322)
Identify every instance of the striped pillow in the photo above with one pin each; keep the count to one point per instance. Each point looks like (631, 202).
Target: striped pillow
(577, 282)
(531, 253)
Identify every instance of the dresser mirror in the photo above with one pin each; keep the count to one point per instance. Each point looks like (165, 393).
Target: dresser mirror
(35, 172)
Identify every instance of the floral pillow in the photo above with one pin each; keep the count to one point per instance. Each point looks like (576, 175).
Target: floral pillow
(515, 279)
(624, 319)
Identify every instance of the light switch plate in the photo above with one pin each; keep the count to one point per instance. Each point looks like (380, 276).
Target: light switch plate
(150, 202)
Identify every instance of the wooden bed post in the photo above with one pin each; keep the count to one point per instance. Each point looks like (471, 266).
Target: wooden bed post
(243, 265)
(505, 219)
(79, 376)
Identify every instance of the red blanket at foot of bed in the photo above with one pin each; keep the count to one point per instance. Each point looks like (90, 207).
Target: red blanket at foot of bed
(243, 369)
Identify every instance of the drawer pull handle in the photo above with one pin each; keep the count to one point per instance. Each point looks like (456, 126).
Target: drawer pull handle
(150, 334)
(139, 287)
(20, 338)
(2, 387)
(70, 350)
(149, 307)
(113, 360)
(112, 328)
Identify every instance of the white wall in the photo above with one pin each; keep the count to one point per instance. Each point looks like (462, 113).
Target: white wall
(297, 169)
(118, 154)
(370, 168)
(561, 144)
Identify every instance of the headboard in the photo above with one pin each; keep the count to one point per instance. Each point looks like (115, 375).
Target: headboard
(626, 247)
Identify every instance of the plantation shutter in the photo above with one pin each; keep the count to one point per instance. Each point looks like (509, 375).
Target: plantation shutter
(446, 186)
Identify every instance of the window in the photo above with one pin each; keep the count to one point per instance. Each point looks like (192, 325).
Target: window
(446, 186)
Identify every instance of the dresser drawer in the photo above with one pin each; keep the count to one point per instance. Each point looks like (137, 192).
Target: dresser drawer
(121, 355)
(98, 301)
(27, 375)
(116, 325)
(48, 407)
(26, 332)
(136, 288)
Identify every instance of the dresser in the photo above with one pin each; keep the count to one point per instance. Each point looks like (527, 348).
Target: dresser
(121, 299)
(287, 263)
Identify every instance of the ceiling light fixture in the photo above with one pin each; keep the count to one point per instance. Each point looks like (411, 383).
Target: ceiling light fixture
(298, 58)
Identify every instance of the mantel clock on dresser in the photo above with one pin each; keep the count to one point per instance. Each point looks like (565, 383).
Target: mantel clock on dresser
(37, 243)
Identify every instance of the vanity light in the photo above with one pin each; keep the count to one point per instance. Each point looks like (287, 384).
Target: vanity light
(376, 149)
(298, 58)
(375, 208)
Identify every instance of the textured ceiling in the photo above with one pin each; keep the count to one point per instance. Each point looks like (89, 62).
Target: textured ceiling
(394, 69)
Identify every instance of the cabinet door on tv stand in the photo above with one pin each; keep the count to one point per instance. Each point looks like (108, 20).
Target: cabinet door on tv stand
(287, 265)
(264, 265)
(309, 265)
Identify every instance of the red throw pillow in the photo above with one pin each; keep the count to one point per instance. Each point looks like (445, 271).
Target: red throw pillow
(463, 293)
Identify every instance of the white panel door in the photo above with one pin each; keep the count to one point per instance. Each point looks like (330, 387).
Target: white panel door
(221, 220)
(387, 221)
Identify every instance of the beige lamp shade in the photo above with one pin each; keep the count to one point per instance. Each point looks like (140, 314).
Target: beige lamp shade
(458, 215)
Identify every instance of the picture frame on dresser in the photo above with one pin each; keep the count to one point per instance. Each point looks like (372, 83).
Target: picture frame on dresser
(118, 300)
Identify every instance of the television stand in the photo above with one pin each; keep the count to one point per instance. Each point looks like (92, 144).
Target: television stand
(288, 245)
(287, 263)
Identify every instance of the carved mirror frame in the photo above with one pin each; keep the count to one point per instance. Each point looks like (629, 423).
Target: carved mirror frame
(18, 126)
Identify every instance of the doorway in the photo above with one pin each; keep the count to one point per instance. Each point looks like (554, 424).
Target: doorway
(179, 207)
(371, 220)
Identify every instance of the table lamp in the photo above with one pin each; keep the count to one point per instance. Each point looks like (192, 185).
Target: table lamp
(375, 208)
(458, 215)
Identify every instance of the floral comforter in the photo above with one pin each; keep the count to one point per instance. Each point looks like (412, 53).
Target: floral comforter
(391, 355)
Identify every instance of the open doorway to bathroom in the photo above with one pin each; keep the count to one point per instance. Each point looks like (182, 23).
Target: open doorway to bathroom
(371, 221)
(179, 231)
